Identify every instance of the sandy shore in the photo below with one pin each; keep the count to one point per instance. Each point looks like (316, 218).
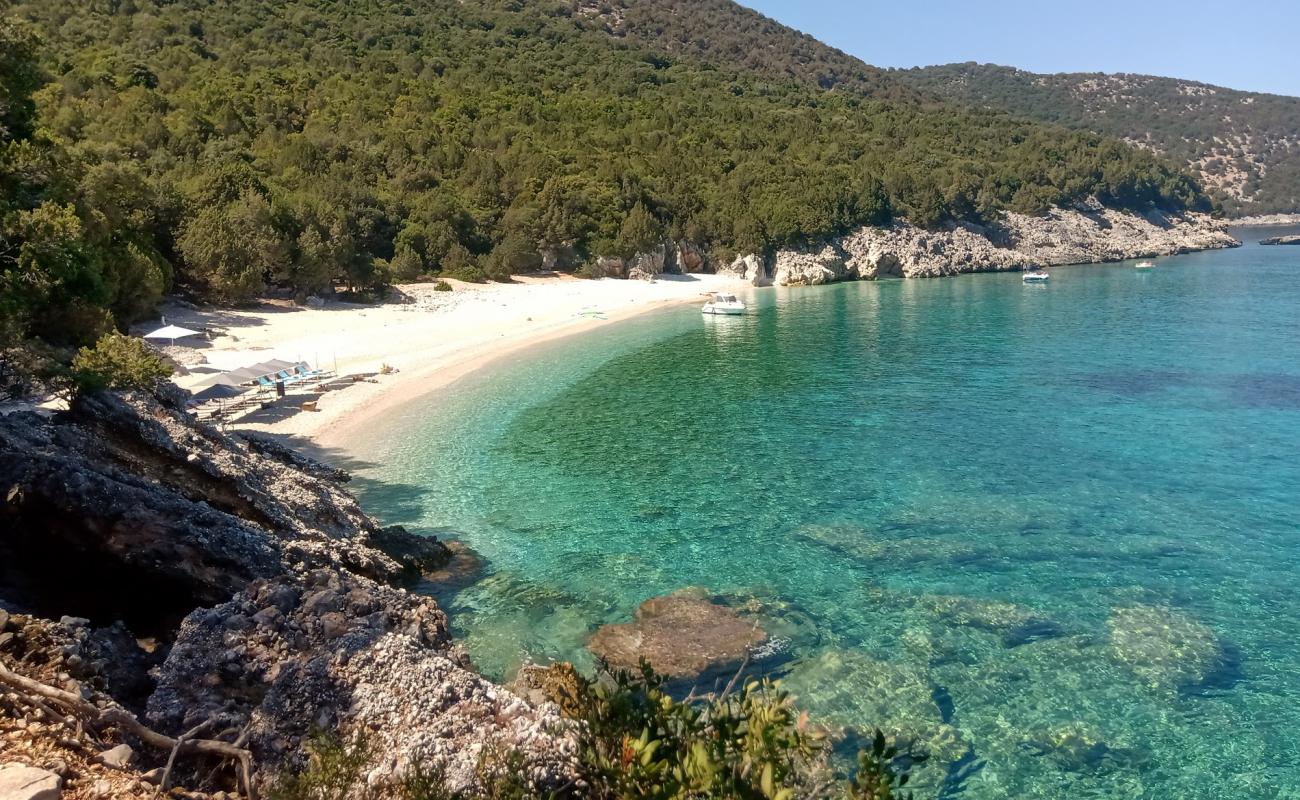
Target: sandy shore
(430, 342)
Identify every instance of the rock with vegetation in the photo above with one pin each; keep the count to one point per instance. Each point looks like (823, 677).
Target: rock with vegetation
(1165, 649)
(124, 511)
(1241, 145)
(683, 635)
(131, 497)
(1017, 242)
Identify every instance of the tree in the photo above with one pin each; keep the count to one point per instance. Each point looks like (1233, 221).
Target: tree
(118, 362)
(513, 255)
(19, 77)
(313, 268)
(233, 249)
(639, 233)
(406, 264)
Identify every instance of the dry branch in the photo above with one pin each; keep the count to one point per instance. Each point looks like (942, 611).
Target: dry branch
(121, 718)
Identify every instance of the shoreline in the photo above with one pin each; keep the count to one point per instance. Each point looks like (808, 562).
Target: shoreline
(431, 342)
(398, 351)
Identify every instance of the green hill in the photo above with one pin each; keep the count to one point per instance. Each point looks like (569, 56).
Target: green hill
(1244, 146)
(220, 147)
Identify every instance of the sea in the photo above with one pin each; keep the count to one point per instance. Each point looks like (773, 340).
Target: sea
(1049, 533)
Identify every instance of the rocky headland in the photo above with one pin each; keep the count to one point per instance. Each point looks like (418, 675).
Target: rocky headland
(1089, 234)
(1274, 240)
(161, 580)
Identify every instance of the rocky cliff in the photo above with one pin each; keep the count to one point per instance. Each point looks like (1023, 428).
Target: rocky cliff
(1064, 236)
(224, 583)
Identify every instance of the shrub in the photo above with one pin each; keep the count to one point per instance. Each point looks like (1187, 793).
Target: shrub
(117, 362)
(442, 286)
(746, 743)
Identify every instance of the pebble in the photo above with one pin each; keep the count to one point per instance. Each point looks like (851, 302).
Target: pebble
(118, 757)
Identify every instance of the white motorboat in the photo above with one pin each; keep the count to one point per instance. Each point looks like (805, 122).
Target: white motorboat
(1035, 276)
(1145, 265)
(724, 304)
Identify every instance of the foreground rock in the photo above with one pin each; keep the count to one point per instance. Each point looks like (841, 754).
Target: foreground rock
(683, 635)
(228, 582)
(342, 653)
(1272, 240)
(1063, 236)
(21, 782)
(124, 509)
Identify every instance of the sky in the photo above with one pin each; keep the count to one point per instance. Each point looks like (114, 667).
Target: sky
(1242, 44)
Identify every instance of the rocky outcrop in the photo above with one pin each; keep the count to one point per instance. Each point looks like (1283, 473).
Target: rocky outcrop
(1274, 240)
(683, 635)
(147, 513)
(269, 599)
(1063, 236)
(340, 652)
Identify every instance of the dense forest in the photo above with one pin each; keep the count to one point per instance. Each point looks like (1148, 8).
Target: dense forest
(1245, 146)
(221, 147)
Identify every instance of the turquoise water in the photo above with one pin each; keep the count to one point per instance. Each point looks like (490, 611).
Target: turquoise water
(1050, 532)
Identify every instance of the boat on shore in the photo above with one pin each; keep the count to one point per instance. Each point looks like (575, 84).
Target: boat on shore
(1035, 275)
(724, 305)
(1145, 265)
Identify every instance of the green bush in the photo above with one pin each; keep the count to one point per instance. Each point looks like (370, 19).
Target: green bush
(748, 742)
(442, 286)
(117, 362)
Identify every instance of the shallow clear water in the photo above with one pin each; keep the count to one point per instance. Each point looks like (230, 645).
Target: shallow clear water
(1051, 531)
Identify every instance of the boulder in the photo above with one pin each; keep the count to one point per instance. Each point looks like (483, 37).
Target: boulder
(811, 268)
(21, 782)
(350, 654)
(682, 635)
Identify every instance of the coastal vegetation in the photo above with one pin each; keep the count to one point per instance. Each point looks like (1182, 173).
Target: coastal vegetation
(223, 149)
(746, 742)
(1244, 146)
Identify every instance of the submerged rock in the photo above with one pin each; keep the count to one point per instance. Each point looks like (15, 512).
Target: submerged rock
(865, 692)
(1075, 746)
(1164, 648)
(1016, 624)
(681, 635)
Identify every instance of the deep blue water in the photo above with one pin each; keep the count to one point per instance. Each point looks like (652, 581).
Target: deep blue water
(1052, 532)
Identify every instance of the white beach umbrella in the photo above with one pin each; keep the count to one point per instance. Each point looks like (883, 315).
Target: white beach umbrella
(172, 332)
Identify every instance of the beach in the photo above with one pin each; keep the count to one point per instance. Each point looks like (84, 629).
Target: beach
(405, 349)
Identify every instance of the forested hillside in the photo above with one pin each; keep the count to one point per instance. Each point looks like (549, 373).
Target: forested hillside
(1245, 146)
(221, 146)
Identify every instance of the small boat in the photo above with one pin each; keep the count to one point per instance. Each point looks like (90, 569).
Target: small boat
(1035, 276)
(1145, 265)
(726, 304)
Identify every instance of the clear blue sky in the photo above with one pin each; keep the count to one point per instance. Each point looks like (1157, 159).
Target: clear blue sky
(1242, 44)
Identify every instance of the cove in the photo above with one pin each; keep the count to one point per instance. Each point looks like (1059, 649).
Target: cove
(1050, 532)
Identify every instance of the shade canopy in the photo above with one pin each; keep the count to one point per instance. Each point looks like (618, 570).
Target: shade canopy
(267, 367)
(170, 332)
(220, 391)
(223, 379)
